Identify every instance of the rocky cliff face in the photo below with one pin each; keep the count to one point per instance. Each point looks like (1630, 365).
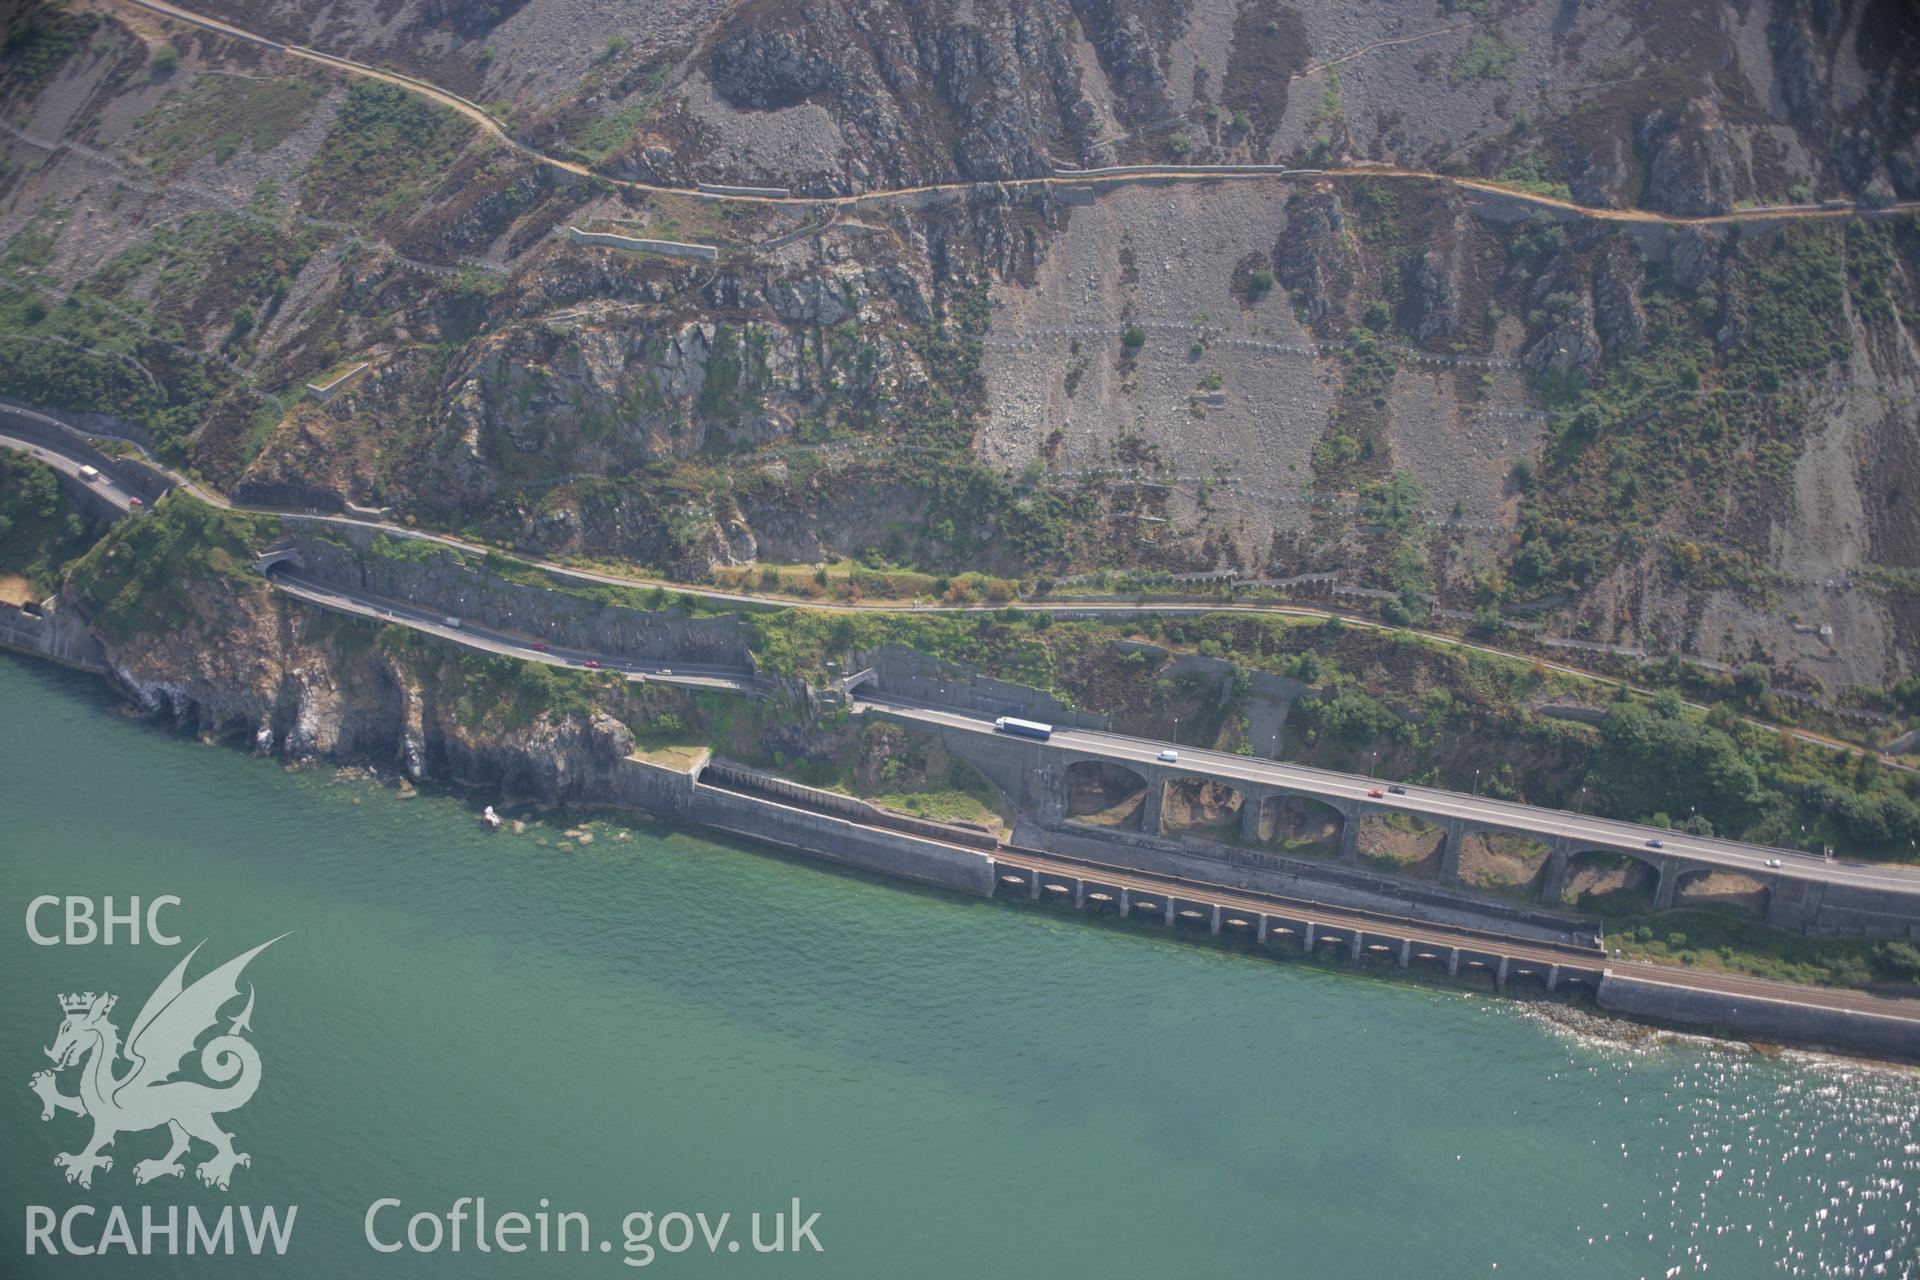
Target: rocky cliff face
(608, 389)
(940, 378)
(306, 687)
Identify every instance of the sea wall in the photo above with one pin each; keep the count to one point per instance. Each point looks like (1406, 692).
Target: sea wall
(656, 788)
(51, 635)
(1301, 878)
(1756, 1018)
(739, 778)
(836, 840)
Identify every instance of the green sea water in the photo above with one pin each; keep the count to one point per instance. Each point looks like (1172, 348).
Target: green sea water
(667, 1023)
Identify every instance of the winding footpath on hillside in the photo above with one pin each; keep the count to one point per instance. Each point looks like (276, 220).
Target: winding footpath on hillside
(1060, 177)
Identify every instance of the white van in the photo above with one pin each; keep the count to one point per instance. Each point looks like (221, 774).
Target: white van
(453, 622)
(90, 474)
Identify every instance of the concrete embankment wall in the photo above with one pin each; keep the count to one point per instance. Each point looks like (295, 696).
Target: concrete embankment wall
(1175, 171)
(901, 855)
(1261, 872)
(1854, 911)
(1743, 1017)
(831, 839)
(655, 788)
(723, 189)
(325, 391)
(737, 778)
(906, 673)
(448, 582)
(670, 248)
(65, 640)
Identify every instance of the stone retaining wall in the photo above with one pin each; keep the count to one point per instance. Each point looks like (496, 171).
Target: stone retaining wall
(836, 840)
(671, 248)
(722, 189)
(453, 584)
(905, 673)
(133, 474)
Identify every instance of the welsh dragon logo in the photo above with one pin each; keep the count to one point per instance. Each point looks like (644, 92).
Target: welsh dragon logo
(146, 1095)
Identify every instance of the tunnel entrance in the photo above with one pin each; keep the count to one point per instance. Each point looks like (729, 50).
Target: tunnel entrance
(1200, 807)
(1499, 862)
(1298, 825)
(1104, 794)
(1402, 844)
(1610, 883)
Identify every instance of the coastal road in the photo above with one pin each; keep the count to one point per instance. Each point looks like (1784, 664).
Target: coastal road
(1418, 800)
(106, 486)
(1063, 608)
(482, 639)
(1443, 806)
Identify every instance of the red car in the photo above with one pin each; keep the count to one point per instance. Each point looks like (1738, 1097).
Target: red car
(133, 502)
(540, 646)
(591, 663)
(1375, 793)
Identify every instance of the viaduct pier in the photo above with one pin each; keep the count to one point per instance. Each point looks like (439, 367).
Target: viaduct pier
(839, 830)
(1253, 799)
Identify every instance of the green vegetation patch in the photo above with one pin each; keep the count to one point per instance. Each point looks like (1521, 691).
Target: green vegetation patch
(385, 153)
(596, 141)
(150, 573)
(1663, 763)
(1722, 940)
(39, 532)
(1487, 56)
(737, 375)
(36, 42)
(216, 115)
(1529, 173)
(132, 339)
(1671, 430)
(490, 690)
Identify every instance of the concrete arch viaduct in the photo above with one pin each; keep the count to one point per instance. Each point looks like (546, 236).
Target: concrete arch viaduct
(1240, 798)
